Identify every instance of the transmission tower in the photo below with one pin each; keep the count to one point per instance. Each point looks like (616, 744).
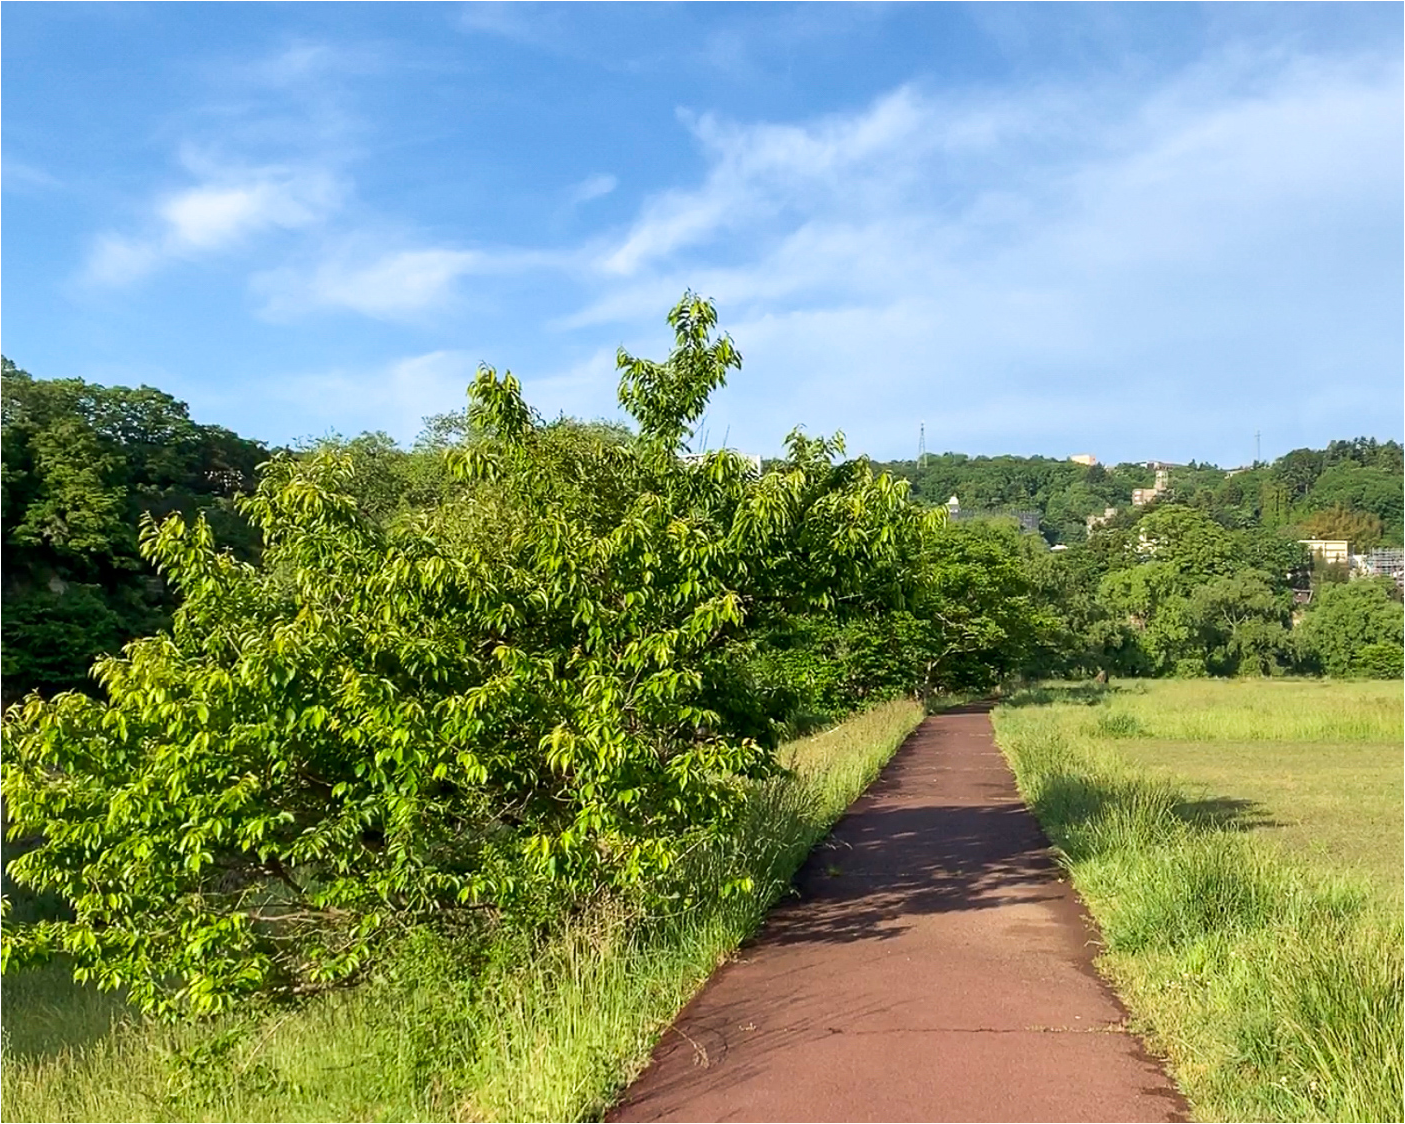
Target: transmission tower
(921, 444)
(1257, 449)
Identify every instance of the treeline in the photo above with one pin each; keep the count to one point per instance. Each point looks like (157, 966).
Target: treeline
(79, 466)
(1349, 490)
(1171, 591)
(473, 685)
(477, 685)
(1208, 577)
(82, 464)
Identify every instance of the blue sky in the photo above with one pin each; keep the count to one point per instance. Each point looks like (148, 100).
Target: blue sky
(1141, 231)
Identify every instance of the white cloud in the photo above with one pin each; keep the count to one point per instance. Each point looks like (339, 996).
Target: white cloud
(115, 260)
(215, 216)
(593, 187)
(1040, 265)
(1028, 265)
(859, 163)
(394, 396)
(386, 283)
(18, 174)
(401, 283)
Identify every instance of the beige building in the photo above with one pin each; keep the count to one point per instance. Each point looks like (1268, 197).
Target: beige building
(1143, 496)
(1098, 520)
(1084, 458)
(1331, 552)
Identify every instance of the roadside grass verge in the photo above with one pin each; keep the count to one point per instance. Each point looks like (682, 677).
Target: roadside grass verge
(1274, 990)
(547, 1030)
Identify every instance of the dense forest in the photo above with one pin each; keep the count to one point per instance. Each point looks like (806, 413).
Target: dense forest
(1350, 490)
(80, 465)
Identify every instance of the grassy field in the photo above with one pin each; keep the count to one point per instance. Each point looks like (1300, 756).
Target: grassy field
(1240, 844)
(551, 1032)
(1315, 765)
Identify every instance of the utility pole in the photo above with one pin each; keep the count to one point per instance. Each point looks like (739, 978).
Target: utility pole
(1257, 449)
(921, 444)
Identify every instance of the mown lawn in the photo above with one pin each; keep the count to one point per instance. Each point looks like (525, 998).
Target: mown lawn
(1239, 844)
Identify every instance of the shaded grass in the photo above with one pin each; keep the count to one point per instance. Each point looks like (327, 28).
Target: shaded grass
(550, 1029)
(1274, 990)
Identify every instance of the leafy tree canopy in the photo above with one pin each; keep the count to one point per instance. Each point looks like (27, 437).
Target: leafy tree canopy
(1355, 629)
(79, 465)
(546, 685)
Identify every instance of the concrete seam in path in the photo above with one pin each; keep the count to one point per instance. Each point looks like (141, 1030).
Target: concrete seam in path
(934, 965)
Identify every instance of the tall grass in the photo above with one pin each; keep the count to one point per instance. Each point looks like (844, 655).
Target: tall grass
(1275, 993)
(1242, 710)
(550, 1030)
(559, 1042)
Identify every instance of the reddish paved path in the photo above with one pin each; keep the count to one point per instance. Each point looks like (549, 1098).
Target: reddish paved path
(934, 967)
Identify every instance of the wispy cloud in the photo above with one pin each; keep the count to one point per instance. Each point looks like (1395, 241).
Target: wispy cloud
(374, 276)
(761, 172)
(215, 216)
(593, 187)
(1029, 263)
(394, 397)
(1059, 246)
(27, 177)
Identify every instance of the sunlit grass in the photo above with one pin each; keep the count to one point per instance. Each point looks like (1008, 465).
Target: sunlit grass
(1264, 710)
(1274, 986)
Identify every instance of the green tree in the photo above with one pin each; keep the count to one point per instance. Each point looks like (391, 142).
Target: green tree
(1241, 624)
(1354, 487)
(539, 690)
(79, 465)
(1362, 529)
(1354, 628)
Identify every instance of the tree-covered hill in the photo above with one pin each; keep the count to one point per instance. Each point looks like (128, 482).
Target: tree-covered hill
(79, 465)
(1350, 489)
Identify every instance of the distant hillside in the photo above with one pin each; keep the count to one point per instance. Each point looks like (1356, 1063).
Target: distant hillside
(1350, 489)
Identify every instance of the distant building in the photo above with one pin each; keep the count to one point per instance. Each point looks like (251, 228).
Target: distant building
(1143, 496)
(1028, 520)
(1084, 458)
(1330, 552)
(1098, 520)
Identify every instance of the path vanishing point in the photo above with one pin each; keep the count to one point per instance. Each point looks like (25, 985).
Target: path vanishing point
(934, 966)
